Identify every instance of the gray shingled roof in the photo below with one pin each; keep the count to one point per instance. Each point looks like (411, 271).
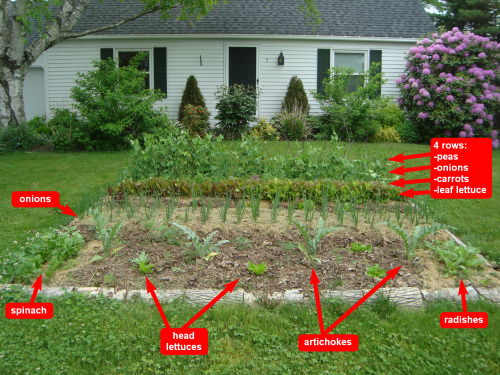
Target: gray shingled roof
(365, 18)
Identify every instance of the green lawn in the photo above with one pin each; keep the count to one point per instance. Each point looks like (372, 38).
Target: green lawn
(73, 175)
(99, 336)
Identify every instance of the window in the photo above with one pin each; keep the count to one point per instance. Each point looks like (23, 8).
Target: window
(124, 58)
(353, 60)
(155, 65)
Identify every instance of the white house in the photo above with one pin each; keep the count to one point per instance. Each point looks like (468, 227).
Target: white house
(239, 42)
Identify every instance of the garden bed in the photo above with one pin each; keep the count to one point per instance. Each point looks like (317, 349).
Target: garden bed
(174, 265)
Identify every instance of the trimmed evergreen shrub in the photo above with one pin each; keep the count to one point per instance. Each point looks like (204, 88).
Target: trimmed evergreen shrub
(296, 97)
(192, 95)
(408, 132)
(387, 135)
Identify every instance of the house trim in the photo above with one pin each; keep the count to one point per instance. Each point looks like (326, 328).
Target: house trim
(256, 36)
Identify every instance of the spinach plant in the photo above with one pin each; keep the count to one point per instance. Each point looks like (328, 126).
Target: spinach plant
(360, 248)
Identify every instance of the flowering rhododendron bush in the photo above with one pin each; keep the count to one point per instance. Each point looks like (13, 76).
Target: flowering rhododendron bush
(451, 86)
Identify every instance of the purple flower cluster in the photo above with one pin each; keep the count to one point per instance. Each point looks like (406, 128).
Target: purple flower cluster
(452, 82)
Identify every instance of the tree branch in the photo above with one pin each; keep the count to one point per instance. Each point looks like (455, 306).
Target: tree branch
(69, 15)
(110, 26)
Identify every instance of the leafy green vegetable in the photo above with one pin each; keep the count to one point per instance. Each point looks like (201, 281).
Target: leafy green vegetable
(142, 261)
(457, 259)
(375, 271)
(360, 248)
(257, 269)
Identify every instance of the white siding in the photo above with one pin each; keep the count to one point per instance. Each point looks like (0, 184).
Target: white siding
(34, 93)
(183, 59)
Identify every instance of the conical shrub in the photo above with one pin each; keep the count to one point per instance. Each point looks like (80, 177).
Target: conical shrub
(192, 95)
(295, 98)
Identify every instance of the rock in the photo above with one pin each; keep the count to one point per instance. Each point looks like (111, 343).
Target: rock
(489, 294)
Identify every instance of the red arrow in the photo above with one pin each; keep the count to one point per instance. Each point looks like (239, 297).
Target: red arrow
(402, 170)
(411, 193)
(390, 275)
(402, 182)
(66, 210)
(36, 287)
(229, 288)
(401, 157)
(463, 291)
(315, 282)
(151, 289)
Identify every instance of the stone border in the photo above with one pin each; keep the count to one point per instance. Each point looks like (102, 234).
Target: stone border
(409, 297)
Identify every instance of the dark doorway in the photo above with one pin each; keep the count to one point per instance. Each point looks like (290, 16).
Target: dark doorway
(243, 66)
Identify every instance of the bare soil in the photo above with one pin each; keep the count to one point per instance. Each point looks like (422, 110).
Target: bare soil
(177, 267)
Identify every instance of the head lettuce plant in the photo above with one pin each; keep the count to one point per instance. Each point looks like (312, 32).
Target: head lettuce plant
(257, 269)
(451, 86)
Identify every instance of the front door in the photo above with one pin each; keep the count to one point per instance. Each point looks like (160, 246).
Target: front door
(243, 66)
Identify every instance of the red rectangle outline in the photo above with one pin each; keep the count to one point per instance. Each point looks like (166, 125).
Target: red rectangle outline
(328, 348)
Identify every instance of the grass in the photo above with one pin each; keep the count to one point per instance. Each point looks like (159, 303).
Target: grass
(101, 336)
(74, 175)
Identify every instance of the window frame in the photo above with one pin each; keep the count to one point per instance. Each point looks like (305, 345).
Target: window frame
(366, 56)
(116, 54)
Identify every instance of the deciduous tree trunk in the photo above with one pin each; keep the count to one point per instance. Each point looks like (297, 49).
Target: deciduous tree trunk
(11, 95)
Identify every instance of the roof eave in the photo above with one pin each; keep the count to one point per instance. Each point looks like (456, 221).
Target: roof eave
(255, 36)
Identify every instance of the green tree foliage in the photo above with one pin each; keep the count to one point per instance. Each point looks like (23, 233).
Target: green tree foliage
(296, 97)
(192, 95)
(237, 106)
(348, 104)
(479, 16)
(115, 105)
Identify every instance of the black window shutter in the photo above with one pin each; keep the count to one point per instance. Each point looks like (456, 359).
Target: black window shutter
(376, 57)
(323, 67)
(106, 53)
(160, 69)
